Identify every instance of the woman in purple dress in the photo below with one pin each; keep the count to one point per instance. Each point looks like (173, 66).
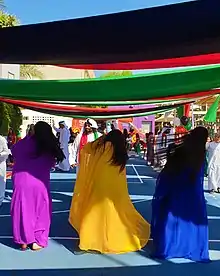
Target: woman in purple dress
(31, 201)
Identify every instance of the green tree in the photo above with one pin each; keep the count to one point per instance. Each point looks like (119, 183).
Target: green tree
(2, 5)
(7, 20)
(10, 116)
(113, 74)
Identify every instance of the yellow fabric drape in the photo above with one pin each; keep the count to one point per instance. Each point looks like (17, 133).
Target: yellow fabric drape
(101, 210)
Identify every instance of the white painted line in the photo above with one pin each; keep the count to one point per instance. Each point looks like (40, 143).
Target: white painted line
(60, 212)
(57, 179)
(50, 238)
(76, 238)
(137, 174)
(131, 165)
(213, 217)
(129, 176)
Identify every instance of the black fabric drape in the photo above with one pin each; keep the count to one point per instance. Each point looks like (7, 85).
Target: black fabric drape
(179, 30)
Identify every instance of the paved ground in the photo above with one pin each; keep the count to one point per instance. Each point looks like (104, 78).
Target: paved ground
(58, 258)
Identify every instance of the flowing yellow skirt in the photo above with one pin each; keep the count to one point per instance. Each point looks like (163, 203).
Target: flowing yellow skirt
(101, 210)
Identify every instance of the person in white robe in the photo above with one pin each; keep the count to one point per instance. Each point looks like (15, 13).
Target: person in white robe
(213, 149)
(4, 153)
(161, 147)
(88, 134)
(64, 136)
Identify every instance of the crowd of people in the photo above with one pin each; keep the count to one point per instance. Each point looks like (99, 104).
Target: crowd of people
(101, 210)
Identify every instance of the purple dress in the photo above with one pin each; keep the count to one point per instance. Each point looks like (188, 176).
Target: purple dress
(31, 205)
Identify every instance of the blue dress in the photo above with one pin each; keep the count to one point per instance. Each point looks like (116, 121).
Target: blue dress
(179, 223)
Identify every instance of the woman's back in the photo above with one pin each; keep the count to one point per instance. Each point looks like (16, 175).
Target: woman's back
(24, 153)
(179, 216)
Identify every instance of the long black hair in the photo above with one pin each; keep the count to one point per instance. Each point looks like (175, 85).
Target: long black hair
(46, 142)
(119, 157)
(189, 154)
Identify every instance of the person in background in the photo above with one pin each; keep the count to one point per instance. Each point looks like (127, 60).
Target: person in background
(125, 133)
(179, 224)
(11, 140)
(64, 137)
(88, 133)
(31, 202)
(137, 145)
(72, 136)
(150, 149)
(101, 210)
(213, 150)
(209, 140)
(30, 130)
(4, 153)
(18, 134)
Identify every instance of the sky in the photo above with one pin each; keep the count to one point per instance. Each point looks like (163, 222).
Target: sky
(36, 11)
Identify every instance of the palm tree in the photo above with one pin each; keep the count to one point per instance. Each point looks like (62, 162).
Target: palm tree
(31, 72)
(7, 20)
(120, 73)
(2, 4)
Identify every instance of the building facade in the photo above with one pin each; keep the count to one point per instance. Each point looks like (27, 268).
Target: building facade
(9, 71)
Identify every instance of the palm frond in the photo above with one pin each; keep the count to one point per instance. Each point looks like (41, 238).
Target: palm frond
(31, 72)
(7, 20)
(2, 4)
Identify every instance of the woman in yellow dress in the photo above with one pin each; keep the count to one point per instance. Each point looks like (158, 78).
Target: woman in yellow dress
(101, 210)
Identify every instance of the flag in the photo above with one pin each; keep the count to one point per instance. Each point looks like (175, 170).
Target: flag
(183, 110)
(212, 111)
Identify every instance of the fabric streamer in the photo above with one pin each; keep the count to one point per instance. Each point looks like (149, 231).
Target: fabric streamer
(141, 35)
(105, 116)
(173, 99)
(112, 113)
(211, 114)
(152, 64)
(89, 111)
(137, 87)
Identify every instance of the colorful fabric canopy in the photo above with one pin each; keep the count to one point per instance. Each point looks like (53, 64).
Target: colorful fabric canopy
(132, 88)
(164, 32)
(89, 112)
(152, 64)
(173, 99)
(98, 113)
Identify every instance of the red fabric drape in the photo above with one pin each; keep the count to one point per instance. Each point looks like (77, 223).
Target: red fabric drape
(186, 110)
(69, 108)
(152, 64)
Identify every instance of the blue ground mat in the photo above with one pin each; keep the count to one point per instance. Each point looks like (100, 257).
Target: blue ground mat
(59, 258)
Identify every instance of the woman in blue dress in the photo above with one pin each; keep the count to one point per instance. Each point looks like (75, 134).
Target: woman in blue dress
(179, 223)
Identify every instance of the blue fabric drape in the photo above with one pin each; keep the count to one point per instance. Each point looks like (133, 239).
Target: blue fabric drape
(179, 217)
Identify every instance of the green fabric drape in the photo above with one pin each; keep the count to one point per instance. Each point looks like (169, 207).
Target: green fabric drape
(211, 114)
(132, 88)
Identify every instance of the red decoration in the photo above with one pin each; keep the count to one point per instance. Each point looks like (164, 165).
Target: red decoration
(152, 64)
